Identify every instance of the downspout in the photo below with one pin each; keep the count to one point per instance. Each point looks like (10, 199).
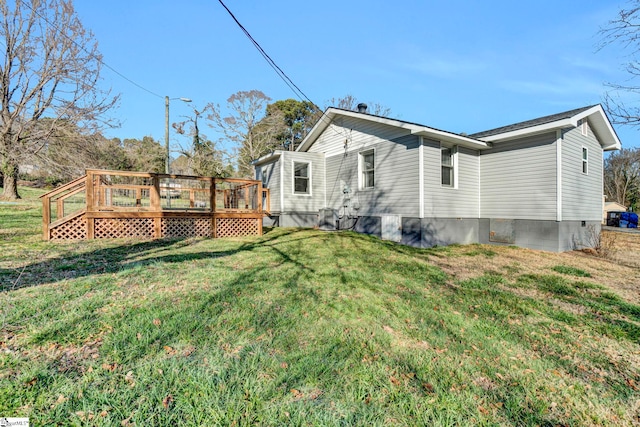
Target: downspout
(559, 175)
(421, 176)
(282, 160)
(479, 184)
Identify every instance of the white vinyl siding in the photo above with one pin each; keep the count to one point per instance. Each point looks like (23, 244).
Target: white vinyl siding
(396, 189)
(355, 134)
(519, 179)
(294, 202)
(448, 202)
(270, 175)
(581, 192)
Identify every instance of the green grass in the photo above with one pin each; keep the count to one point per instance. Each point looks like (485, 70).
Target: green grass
(300, 327)
(571, 271)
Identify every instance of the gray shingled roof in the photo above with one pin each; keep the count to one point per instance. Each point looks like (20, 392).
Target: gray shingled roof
(530, 123)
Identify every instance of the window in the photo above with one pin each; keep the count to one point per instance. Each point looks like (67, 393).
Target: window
(301, 178)
(448, 166)
(264, 175)
(585, 160)
(367, 169)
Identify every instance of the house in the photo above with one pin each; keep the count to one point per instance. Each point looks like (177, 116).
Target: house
(612, 207)
(535, 184)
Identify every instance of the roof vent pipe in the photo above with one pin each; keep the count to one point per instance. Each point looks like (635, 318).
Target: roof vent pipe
(362, 107)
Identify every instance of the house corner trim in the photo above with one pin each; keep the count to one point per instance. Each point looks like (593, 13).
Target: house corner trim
(558, 175)
(421, 176)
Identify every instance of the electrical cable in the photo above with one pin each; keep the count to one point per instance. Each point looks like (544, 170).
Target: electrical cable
(269, 60)
(294, 88)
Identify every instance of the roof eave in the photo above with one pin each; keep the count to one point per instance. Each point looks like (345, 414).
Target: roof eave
(318, 128)
(533, 130)
(267, 158)
(602, 128)
(452, 138)
(596, 116)
(415, 129)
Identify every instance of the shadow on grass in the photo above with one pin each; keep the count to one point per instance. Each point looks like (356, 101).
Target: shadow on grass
(114, 259)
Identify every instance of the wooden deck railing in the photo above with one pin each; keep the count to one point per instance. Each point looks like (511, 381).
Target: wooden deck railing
(110, 204)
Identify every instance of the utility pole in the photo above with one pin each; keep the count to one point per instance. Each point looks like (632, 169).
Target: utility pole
(166, 130)
(166, 134)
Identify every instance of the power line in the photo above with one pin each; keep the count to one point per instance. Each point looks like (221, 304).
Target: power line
(270, 61)
(97, 58)
(296, 90)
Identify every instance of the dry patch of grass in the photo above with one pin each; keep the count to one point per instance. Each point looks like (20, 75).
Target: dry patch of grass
(623, 247)
(301, 327)
(619, 272)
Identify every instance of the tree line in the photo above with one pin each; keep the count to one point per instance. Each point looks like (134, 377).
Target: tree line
(53, 110)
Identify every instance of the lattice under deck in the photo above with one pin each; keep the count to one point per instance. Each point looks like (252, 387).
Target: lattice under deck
(117, 228)
(186, 227)
(232, 227)
(76, 228)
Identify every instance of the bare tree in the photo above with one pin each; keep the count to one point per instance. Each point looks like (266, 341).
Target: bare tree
(240, 127)
(203, 157)
(622, 176)
(51, 70)
(624, 31)
(350, 102)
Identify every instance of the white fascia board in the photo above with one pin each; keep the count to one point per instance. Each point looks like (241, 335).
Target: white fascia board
(452, 138)
(268, 158)
(418, 130)
(601, 126)
(596, 116)
(317, 129)
(546, 127)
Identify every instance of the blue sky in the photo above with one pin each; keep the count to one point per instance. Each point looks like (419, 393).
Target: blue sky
(461, 66)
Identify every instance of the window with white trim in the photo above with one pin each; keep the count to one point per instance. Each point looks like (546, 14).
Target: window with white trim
(367, 169)
(585, 160)
(448, 166)
(301, 178)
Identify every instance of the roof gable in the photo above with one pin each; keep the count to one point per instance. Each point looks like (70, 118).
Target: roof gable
(596, 116)
(415, 129)
(531, 123)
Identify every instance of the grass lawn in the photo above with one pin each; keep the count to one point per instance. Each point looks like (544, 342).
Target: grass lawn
(302, 327)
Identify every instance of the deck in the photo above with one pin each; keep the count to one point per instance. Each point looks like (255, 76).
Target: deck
(117, 204)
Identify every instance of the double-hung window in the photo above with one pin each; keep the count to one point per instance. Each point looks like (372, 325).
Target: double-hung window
(301, 178)
(367, 169)
(585, 160)
(448, 159)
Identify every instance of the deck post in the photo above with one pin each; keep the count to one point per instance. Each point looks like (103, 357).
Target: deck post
(154, 194)
(154, 200)
(259, 207)
(91, 207)
(212, 203)
(46, 217)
